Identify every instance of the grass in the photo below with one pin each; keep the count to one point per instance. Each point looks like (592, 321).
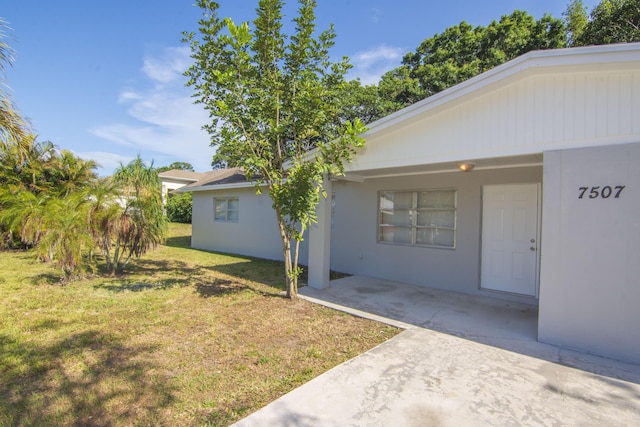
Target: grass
(185, 338)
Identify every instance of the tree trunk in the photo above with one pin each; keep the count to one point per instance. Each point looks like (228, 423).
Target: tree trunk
(291, 279)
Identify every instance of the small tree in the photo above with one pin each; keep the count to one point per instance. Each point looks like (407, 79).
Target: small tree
(141, 224)
(275, 104)
(67, 239)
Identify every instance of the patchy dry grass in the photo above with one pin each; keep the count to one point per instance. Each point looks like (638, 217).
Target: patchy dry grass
(186, 338)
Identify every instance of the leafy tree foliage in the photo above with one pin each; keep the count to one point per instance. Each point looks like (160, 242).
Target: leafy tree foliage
(179, 207)
(576, 18)
(612, 21)
(464, 51)
(183, 166)
(276, 104)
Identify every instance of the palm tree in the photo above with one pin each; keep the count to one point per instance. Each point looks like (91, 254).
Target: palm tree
(12, 125)
(105, 211)
(22, 213)
(68, 237)
(71, 173)
(142, 224)
(138, 180)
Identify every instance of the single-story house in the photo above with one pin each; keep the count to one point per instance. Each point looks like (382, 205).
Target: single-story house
(176, 178)
(521, 183)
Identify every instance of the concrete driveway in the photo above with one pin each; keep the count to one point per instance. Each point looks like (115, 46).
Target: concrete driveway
(461, 361)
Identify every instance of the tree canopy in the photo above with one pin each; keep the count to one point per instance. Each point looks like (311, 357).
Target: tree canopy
(464, 51)
(611, 21)
(183, 166)
(276, 104)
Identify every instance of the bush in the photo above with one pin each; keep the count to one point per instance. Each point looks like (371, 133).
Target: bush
(179, 207)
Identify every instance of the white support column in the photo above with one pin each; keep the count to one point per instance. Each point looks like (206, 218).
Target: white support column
(320, 242)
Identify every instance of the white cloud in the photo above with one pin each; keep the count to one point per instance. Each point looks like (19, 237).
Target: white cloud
(107, 161)
(169, 66)
(165, 124)
(370, 65)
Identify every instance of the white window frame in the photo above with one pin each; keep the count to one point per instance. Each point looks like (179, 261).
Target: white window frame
(216, 218)
(414, 211)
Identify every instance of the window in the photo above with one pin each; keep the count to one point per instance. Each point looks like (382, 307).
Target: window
(333, 209)
(419, 218)
(226, 209)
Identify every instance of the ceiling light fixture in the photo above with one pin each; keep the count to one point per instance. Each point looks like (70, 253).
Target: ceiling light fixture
(466, 167)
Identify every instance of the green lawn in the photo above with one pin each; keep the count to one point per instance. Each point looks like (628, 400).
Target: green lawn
(185, 338)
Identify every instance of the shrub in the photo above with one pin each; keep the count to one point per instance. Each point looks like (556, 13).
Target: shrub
(179, 207)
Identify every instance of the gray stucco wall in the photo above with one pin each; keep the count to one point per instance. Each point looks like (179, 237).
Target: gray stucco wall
(255, 234)
(590, 266)
(354, 247)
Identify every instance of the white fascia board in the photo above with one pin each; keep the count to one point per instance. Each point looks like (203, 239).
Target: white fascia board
(539, 59)
(218, 187)
(502, 152)
(348, 177)
(171, 178)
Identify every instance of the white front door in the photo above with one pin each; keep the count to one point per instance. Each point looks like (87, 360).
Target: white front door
(510, 238)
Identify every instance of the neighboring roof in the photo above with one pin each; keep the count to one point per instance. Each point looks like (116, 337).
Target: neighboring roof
(182, 175)
(219, 179)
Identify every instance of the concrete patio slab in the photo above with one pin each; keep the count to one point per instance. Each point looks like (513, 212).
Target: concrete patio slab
(456, 375)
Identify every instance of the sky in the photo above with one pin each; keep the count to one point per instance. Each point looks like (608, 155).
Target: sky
(104, 78)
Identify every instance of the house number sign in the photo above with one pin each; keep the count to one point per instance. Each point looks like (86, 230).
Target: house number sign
(601, 192)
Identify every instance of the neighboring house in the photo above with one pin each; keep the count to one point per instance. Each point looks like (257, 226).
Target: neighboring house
(177, 178)
(549, 214)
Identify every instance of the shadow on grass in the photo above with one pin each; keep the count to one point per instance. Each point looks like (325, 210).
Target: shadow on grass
(219, 287)
(266, 272)
(89, 378)
(46, 279)
(178, 242)
(136, 286)
(224, 274)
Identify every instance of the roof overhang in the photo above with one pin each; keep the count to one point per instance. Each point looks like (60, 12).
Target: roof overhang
(236, 185)
(529, 160)
(175, 178)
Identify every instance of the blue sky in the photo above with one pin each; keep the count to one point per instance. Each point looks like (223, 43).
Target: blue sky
(104, 79)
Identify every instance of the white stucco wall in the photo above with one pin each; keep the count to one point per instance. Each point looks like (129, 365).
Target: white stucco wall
(169, 184)
(354, 246)
(255, 234)
(590, 259)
